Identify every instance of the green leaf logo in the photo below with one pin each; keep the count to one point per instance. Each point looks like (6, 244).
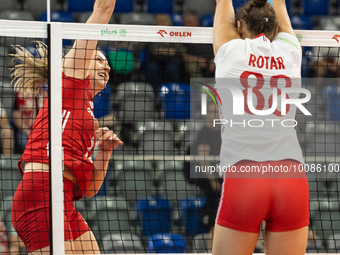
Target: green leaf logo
(122, 32)
(299, 37)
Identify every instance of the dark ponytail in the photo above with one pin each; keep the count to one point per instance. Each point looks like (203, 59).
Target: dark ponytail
(259, 17)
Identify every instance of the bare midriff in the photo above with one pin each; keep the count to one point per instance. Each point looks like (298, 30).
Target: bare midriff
(41, 167)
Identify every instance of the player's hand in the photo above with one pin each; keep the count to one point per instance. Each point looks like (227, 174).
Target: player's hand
(100, 132)
(108, 140)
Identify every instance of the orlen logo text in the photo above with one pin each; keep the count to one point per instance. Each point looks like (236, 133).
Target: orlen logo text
(336, 37)
(174, 33)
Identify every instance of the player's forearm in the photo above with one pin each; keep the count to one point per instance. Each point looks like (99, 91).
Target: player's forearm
(279, 6)
(224, 24)
(100, 168)
(224, 15)
(78, 58)
(102, 160)
(225, 8)
(104, 4)
(102, 11)
(219, 1)
(282, 16)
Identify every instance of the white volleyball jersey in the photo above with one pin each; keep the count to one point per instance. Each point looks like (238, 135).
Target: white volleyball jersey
(263, 66)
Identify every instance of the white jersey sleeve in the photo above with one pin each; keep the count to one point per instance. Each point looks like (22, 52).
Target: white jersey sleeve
(289, 41)
(227, 50)
(292, 44)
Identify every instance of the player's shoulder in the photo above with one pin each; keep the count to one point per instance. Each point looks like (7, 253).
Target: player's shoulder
(234, 46)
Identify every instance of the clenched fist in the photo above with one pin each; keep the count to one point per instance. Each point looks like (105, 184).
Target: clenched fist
(107, 140)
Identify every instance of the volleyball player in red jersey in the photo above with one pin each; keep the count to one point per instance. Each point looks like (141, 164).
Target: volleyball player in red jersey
(85, 73)
(263, 48)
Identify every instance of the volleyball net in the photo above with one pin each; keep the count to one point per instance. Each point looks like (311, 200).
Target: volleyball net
(160, 103)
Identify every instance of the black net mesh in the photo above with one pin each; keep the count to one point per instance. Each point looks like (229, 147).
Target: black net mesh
(148, 202)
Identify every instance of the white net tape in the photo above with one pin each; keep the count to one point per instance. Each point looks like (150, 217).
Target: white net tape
(135, 33)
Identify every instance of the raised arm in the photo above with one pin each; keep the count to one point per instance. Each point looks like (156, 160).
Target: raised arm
(77, 60)
(282, 17)
(224, 24)
(107, 142)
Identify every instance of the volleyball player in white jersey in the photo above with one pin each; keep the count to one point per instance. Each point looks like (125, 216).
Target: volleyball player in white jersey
(262, 53)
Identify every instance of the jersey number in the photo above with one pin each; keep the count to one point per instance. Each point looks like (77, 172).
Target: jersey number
(256, 90)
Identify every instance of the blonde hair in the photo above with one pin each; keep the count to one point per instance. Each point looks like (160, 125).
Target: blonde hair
(30, 71)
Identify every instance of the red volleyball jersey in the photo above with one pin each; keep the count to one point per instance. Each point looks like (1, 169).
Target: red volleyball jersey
(78, 131)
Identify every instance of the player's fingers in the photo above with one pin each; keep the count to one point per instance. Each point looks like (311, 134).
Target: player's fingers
(111, 136)
(115, 138)
(98, 134)
(101, 131)
(104, 137)
(107, 135)
(109, 141)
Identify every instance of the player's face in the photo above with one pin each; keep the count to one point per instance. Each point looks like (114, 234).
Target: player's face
(100, 71)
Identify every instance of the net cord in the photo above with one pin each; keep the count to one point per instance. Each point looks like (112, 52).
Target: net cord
(55, 148)
(136, 33)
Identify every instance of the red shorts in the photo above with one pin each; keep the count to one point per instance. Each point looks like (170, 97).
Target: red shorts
(246, 202)
(30, 211)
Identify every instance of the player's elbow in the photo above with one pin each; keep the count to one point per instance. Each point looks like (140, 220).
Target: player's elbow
(93, 189)
(90, 193)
